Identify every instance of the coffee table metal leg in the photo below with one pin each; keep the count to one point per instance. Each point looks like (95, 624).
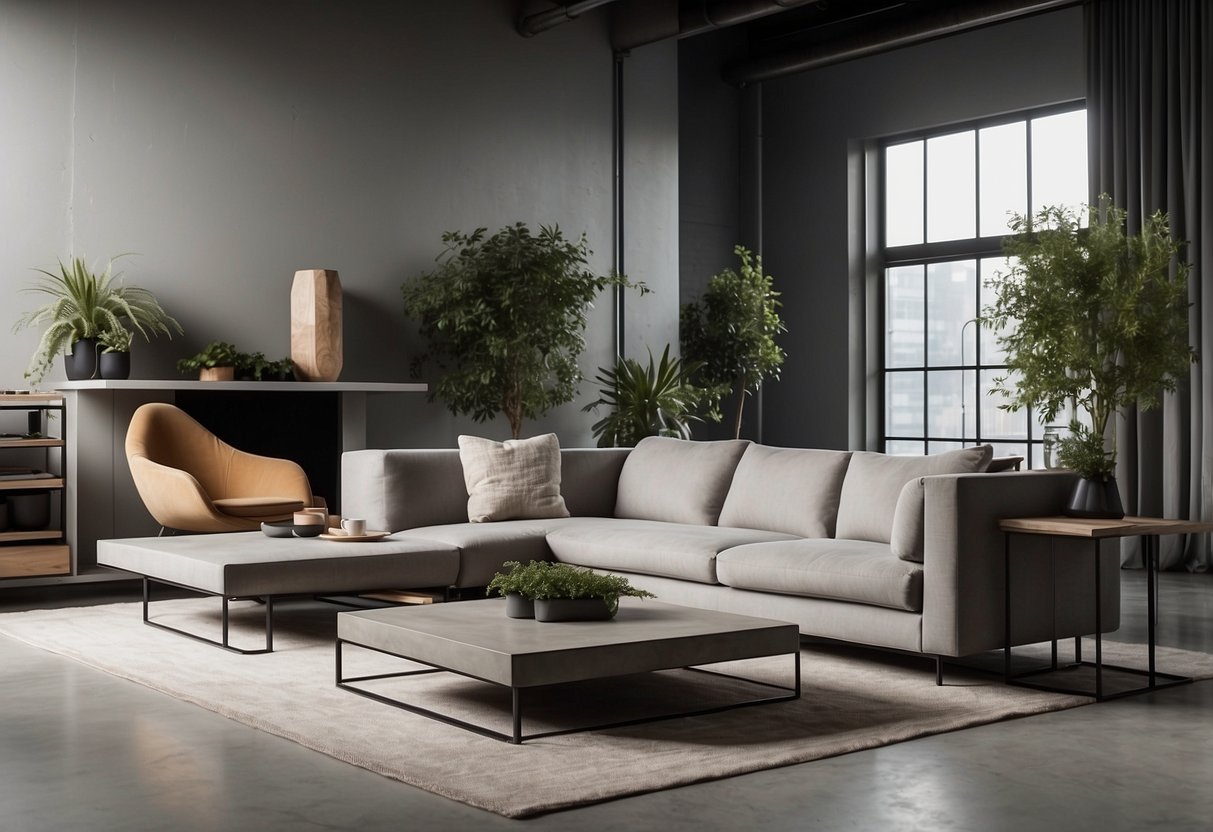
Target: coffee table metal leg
(517, 695)
(224, 622)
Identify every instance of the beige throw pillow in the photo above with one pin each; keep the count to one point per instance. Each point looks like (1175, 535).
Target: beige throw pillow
(518, 479)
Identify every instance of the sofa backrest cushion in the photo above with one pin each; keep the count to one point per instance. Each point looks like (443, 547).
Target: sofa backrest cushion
(874, 483)
(677, 480)
(518, 479)
(790, 490)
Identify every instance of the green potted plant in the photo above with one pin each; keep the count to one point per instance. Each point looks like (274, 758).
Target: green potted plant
(214, 362)
(504, 317)
(1100, 323)
(115, 358)
(82, 305)
(281, 370)
(730, 334)
(561, 592)
(657, 399)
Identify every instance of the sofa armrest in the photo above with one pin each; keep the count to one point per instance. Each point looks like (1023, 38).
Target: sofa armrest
(1052, 579)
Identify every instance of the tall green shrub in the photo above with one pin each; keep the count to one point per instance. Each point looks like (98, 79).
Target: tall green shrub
(730, 332)
(504, 316)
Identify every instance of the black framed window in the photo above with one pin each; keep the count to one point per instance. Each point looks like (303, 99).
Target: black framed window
(947, 196)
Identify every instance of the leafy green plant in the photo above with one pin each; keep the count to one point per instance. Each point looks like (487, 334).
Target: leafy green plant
(657, 399)
(1083, 452)
(116, 340)
(214, 354)
(505, 316)
(84, 304)
(1100, 320)
(542, 580)
(281, 370)
(730, 333)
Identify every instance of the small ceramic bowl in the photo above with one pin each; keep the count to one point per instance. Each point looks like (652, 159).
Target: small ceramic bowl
(308, 530)
(284, 528)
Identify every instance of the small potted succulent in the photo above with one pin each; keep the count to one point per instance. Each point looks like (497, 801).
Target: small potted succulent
(550, 591)
(115, 358)
(215, 362)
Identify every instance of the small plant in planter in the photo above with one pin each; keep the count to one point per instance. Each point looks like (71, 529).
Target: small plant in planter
(543, 582)
(115, 358)
(281, 370)
(217, 355)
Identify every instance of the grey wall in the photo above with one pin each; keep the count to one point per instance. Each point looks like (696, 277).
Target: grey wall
(808, 120)
(231, 143)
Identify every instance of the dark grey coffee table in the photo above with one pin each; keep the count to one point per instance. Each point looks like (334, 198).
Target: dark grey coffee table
(476, 639)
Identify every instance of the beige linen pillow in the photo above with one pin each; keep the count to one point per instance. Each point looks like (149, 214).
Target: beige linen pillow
(518, 479)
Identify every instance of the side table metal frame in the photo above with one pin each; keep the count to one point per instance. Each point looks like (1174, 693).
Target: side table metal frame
(1157, 679)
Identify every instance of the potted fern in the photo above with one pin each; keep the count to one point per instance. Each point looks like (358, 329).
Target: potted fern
(549, 591)
(83, 304)
(1100, 324)
(115, 358)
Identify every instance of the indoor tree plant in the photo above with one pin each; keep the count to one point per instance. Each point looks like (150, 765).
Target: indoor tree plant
(657, 399)
(1100, 323)
(730, 334)
(82, 305)
(504, 316)
(544, 582)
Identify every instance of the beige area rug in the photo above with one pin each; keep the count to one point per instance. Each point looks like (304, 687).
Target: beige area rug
(852, 699)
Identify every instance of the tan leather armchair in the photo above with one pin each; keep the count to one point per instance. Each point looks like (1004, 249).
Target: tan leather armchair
(191, 480)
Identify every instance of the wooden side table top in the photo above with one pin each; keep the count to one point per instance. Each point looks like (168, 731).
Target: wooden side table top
(1096, 529)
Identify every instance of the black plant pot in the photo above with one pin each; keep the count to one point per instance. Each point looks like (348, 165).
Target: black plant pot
(518, 606)
(114, 364)
(1095, 500)
(82, 362)
(569, 609)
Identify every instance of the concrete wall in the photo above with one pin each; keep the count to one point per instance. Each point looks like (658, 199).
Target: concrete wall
(808, 122)
(230, 143)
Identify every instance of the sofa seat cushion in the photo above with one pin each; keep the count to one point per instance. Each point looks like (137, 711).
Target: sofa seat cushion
(845, 570)
(650, 547)
(484, 547)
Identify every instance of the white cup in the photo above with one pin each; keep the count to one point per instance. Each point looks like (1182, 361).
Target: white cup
(353, 527)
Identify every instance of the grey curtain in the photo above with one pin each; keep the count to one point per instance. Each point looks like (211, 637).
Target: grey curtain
(1150, 122)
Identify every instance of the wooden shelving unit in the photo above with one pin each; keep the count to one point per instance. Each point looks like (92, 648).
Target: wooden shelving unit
(35, 553)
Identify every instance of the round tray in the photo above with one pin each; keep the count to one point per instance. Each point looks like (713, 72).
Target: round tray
(355, 538)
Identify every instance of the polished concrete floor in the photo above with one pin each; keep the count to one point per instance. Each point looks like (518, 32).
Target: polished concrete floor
(83, 750)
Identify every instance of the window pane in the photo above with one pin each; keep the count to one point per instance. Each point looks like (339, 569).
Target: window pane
(1059, 160)
(901, 447)
(904, 306)
(951, 306)
(951, 187)
(1004, 175)
(943, 447)
(997, 423)
(950, 404)
(992, 352)
(903, 404)
(903, 194)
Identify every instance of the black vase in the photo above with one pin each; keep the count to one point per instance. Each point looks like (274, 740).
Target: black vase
(114, 364)
(1095, 499)
(81, 363)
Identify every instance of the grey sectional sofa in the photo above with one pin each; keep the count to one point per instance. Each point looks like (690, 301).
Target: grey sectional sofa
(894, 552)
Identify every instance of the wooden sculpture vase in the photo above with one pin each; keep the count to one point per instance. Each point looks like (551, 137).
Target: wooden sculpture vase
(316, 325)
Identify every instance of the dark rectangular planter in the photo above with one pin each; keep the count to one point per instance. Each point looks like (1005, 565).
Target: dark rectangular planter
(579, 609)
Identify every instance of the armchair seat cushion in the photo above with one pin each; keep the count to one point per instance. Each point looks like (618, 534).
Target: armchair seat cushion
(257, 506)
(843, 570)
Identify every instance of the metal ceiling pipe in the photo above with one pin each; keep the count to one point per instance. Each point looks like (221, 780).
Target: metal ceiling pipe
(533, 24)
(939, 23)
(637, 25)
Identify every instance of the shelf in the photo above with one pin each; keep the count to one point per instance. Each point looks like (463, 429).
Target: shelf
(31, 401)
(51, 484)
(45, 534)
(31, 443)
(36, 560)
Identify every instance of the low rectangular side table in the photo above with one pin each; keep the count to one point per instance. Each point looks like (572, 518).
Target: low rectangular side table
(477, 639)
(1149, 529)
